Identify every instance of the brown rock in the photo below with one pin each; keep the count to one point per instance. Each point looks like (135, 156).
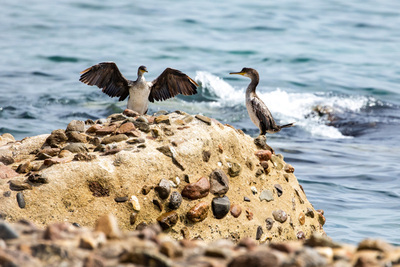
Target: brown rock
(162, 119)
(50, 151)
(259, 258)
(167, 220)
(263, 155)
(302, 218)
(236, 210)
(19, 185)
(25, 167)
(197, 190)
(114, 139)
(106, 130)
(108, 225)
(94, 128)
(249, 215)
(372, 244)
(206, 155)
(126, 128)
(279, 215)
(76, 137)
(146, 189)
(130, 113)
(75, 125)
(52, 161)
(56, 138)
(204, 119)
(219, 182)
(57, 231)
(199, 212)
(289, 168)
(6, 160)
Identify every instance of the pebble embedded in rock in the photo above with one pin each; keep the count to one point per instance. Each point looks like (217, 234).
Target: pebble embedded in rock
(167, 220)
(136, 141)
(249, 215)
(246, 199)
(234, 170)
(121, 199)
(142, 126)
(146, 189)
(76, 125)
(204, 119)
(185, 232)
(259, 232)
(279, 189)
(158, 204)
(259, 172)
(206, 155)
(7, 194)
(163, 189)
(220, 206)
(289, 168)
(310, 213)
(267, 195)
(114, 139)
(269, 222)
(279, 215)
(21, 200)
(254, 190)
(199, 212)
(302, 218)
(76, 148)
(321, 219)
(300, 235)
(7, 232)
(263, 155)
(132, 218)
(135, 203)
(236, 210)
(197, 190)
(19, 185)
(219, 182)
(162, 119)
(175, 200)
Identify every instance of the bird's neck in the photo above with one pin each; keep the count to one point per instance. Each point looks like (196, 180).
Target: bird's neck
(141, 78)
(251, 89)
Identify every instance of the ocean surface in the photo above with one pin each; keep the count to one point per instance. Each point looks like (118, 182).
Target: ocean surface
(333, 67)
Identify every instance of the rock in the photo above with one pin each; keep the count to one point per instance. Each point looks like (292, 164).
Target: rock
(266, 195)
(289, 168)
(104, 130)
(130, 113)
(75, 125)
(146, 189)
(116, 117)
(126, 128)
(279, 189)
(278, 162)
(167, 220)
(236, 210)
(132, 218)
(234, 169)
(108, 225)
(135, 203)
(7, 232)
(199, 212)
(197, 190)
(310, 213)
(50, 152)
(76, 137)
(246, 199)
(300, 235)
(206, 155)
(378, 245)
(84, 157)
(158, 204)
(17, 185)
(259, 232)
(136, 141)
(163, 189)
(94, 128)
(76, 148)
(219, 182)
(162, 119)
(302, 218)
(254, 190)
(142, 125)
(6, 160)
(21, 200)
(269, 222)
(263, 155)
(114, 139)
(121, 199)
(56, 138)
(6, 172)
(220, 206)
(321, 219)
(279, 215)
(175, 200)
(259, 258)
(204, 119)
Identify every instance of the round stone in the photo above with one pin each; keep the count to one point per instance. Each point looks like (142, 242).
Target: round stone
(167, 220)
(270, 223)
(236, 210)
(279, 215)
(175, 200)
(163, 189)
(21, 200)
(220, 206)
(199, 212)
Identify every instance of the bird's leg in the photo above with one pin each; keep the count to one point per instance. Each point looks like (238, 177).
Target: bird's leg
(261, 142)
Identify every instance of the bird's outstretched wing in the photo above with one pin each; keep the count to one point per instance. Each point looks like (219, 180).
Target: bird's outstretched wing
(267, 122)
(106, 76)
(170, 83)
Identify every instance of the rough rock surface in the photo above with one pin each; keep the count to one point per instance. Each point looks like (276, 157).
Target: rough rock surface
(82, 184)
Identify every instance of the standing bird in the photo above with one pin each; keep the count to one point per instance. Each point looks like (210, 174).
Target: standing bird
(107, 77)
(258, 111)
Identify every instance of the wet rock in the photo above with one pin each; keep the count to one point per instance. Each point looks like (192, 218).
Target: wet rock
(76, 137)
(132, 218)
(76, 148)
(279, 189)
(259, 232)
(310, 213)
(219, 182)
(167, 220)
(19, 185)
(121, 199)
(162, 119)
(175, 200)
(25, 167)
(6, 160)
(146, 189)
(236, 210)
(199, 212)
(269, 222)
(75, 125)
(263, 155)
(279, 215)
(6, 172)
(108, 225)
(204, 119)
(197, 190)
(163, 189)
(234, 169)
(7, 232)
(220, 206)
(266, 195)
(302, 218)
(56, 138)
(21, 200)
(206, 155)
(114, 139)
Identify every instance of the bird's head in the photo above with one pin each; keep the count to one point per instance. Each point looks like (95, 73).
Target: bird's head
(142, 69)
(247, 72)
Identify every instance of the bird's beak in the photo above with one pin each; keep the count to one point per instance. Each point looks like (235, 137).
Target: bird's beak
(240, 73)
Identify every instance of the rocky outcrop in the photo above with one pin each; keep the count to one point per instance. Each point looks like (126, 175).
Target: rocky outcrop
(192, 175)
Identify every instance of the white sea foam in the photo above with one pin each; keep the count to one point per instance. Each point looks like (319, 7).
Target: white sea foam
(287, 107)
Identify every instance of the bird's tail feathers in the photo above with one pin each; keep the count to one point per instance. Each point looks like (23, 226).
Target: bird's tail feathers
(287, 125)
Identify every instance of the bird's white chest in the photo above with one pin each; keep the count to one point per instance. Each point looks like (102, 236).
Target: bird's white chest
(251, 110)
(139, 97)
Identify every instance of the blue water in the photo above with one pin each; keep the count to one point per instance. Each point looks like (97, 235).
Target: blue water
(339, 57)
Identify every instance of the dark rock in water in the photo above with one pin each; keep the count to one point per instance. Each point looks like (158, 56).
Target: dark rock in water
(7, 232)
(19, 185)
(121, 199)
(236, 210)
(197, 190)
(76, 137)
(310, 213)
(6, 160)
(175, 200)
(234, 170)
(219, 182)
(204, 119)
(56, 138)
(221, 206)
(114, 139)
(259, 232)
(168, 219)
(132, 218)
(270, 223)
(21, 200)
(279, 215)
(199, 212)
(158, 204)
(76, 125)
(279, 189)
(76, 148)
(206, 155)
(146, 189)
(163, 189)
